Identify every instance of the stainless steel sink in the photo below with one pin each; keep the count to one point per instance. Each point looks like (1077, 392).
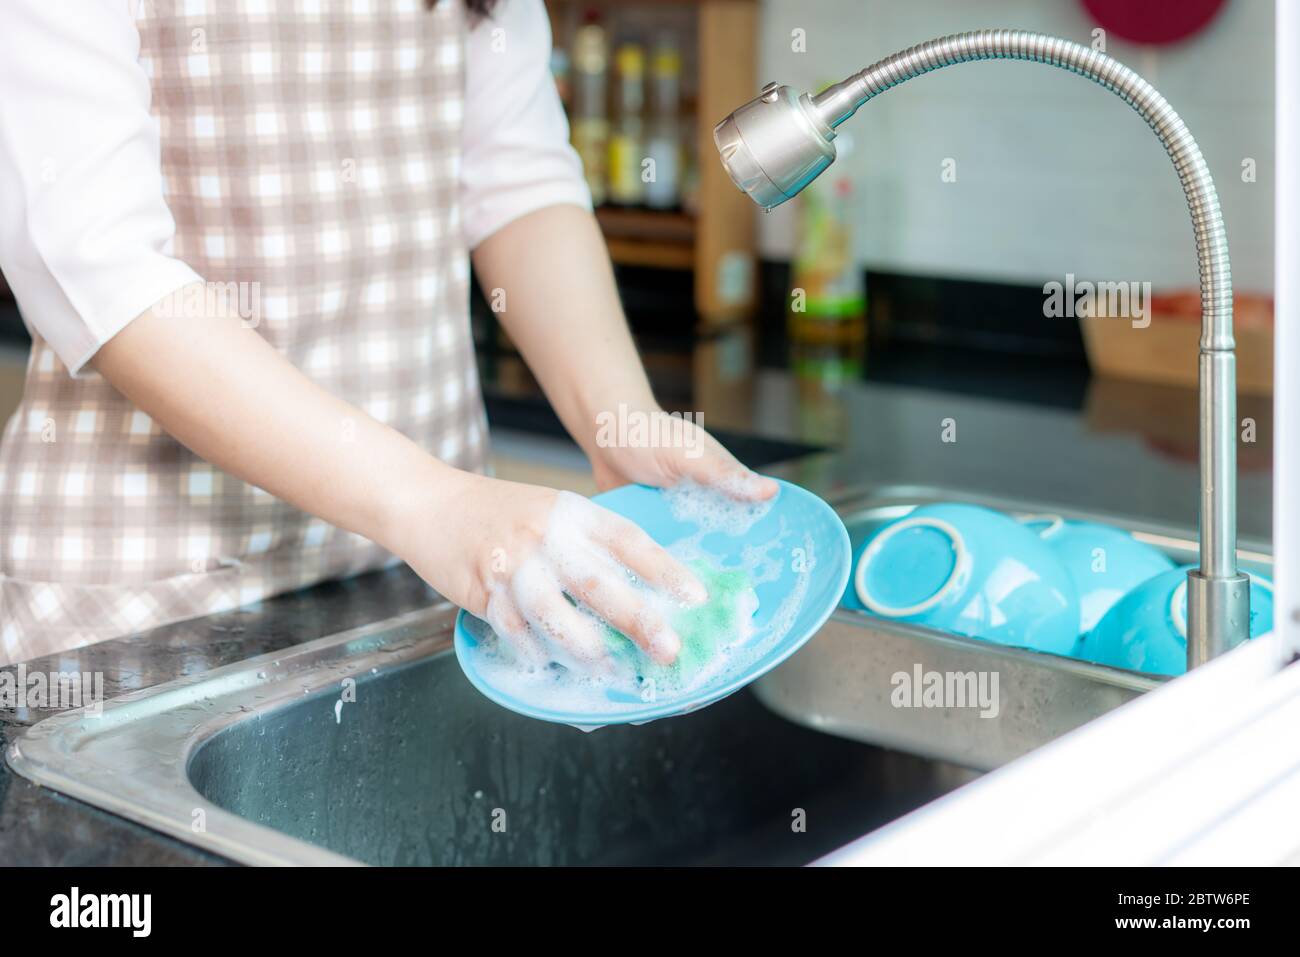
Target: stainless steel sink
(371, 747)
(841, 681)
(261, 763)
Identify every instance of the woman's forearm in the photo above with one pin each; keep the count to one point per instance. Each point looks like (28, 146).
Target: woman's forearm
(220, 389)
(549, 279)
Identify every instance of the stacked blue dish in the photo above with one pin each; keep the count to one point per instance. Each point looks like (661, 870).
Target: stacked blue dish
(972, 571)
(1067, 587)
(1147, 629)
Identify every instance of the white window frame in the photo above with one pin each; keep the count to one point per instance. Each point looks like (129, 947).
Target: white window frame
(1206, 770)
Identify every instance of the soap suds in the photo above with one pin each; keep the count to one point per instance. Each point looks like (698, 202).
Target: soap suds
(539, 666)
(694, 504)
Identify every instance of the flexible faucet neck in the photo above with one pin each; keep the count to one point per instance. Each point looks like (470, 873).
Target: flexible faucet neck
(797, 144)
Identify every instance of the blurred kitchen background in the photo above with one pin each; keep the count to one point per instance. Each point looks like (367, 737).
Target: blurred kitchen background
(919, 259)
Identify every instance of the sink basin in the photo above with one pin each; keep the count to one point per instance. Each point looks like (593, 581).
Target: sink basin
(371, 747)
(841, 681)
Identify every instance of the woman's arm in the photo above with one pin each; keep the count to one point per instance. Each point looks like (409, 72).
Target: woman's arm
(542, 261)
(550, 273)
(487, 545)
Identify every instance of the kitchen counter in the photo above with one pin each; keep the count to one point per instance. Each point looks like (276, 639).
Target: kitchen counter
(1127, 450)
(38, 826)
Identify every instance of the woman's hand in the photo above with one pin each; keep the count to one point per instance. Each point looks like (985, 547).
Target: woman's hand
(651, 447)
(509, 553)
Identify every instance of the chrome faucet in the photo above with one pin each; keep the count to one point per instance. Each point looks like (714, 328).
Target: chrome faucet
(779, 142)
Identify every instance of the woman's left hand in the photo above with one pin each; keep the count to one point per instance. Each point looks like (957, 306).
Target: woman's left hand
(651, 447)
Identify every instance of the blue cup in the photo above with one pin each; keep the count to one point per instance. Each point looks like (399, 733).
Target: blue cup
(971, 571)
(1105, 563)
(1146, 630)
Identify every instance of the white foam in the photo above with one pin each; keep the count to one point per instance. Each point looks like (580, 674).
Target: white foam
(536, 667)
(717, 509)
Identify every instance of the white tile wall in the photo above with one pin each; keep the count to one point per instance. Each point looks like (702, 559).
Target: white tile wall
(1054, 174)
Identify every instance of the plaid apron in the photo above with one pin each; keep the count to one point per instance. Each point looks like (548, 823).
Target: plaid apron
(310, 155)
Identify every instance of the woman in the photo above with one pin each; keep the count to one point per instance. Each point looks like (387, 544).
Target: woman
(239, 234)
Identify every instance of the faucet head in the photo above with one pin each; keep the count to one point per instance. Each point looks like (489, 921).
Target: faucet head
(775, 145)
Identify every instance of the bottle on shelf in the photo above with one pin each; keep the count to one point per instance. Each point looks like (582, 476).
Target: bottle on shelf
(627, 139)
(828, 298)
(663, 146)
(589, 116)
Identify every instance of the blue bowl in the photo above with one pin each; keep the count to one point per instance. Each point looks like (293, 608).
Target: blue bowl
(808, 559)
(1146, 630)
(972, 571)
(1105, 563)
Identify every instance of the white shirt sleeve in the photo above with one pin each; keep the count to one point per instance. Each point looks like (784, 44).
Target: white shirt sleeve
(516, 156)
(85, 233)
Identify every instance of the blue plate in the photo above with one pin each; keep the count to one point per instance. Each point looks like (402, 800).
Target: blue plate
(805, 534)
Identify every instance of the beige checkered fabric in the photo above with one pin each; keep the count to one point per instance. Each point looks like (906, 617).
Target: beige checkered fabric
(310, 150)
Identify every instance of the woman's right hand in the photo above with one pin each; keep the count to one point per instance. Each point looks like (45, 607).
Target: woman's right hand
(509, 553)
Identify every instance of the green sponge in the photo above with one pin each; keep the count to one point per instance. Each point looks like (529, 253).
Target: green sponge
(703, 629)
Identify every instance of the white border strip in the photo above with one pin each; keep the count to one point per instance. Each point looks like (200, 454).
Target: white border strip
(1286, 326)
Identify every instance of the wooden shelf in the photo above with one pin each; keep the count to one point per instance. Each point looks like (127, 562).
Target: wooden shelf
(718, 240)
(646, 237)
(665, 226)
